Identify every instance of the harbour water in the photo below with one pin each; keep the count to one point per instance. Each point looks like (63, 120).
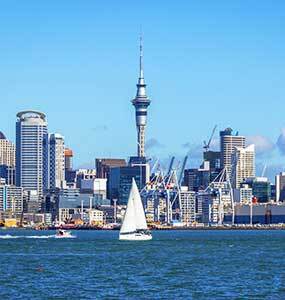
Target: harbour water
(174, 265)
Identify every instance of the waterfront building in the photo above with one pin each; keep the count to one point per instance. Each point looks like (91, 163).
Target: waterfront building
(96, 217)
(32, 202)
(103, 166)
(188, 206)
(260, 188)
(215, 203)
(31, 127)
(54, 161)
(7, 151)
(73, 205)
(263, 213)
(228, 143)
(243, 164)
(141, 103)
(243, 194)
(280, 187)
(11, 198)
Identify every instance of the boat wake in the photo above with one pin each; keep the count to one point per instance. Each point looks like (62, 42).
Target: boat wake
(52, 236)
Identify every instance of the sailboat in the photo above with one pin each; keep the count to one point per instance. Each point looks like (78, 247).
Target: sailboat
(134, 227)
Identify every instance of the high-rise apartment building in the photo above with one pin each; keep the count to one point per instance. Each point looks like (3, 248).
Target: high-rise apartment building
(7, 151)
(31, 127)
(188, 206)
(243, 165)
(228, 143)
(54, 161)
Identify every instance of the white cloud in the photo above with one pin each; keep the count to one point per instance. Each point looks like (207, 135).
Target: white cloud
(263, 145)
(281, 142)
(153, 143)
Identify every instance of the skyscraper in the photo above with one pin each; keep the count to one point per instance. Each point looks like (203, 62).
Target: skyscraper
(31, 126)
(68, 155)
(54, 161)
(228, 143)
(7, 160)
(7, 151)
(243, 164)
(141, 103)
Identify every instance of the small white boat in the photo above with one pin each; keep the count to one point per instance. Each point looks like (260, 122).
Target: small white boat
(61, 233)
(134, 227)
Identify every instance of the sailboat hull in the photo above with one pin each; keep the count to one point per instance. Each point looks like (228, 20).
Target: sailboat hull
(135, 237)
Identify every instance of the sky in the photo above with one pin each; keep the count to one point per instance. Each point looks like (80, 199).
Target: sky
(206, 63)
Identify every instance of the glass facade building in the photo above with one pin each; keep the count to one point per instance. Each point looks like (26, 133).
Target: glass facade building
(31, 127)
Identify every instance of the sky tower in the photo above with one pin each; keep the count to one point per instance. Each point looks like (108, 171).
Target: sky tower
(141, 103)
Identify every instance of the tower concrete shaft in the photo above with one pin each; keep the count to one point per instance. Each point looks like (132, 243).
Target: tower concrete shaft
(141, 103)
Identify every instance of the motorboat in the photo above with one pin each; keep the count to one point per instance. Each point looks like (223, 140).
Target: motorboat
(61, 233)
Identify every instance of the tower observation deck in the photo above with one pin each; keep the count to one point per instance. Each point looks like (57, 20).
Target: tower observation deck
(141, 103)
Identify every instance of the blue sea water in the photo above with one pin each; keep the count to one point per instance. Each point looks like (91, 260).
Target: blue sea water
(174, 265)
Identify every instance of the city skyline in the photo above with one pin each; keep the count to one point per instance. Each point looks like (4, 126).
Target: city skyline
(92, 74)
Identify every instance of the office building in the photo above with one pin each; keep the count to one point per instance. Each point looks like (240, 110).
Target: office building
(68, 157)
(7, 151)
(243, 165)
(73, 205)
(228, 143)
(261, 188)
(214, 158)
(243, 194)
(198, 179)
(141, 103)
(54, 161)
(120, 181)
(31, 127)
(103, 166)
(11, 198)
(96, 186)
(8, 173)
(70, 174)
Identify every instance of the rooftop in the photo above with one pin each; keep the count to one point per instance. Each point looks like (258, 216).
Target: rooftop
(2, 136)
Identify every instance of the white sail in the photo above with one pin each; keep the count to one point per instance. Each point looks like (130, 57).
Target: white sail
(139, 210)
(134, 227)
(129, 221)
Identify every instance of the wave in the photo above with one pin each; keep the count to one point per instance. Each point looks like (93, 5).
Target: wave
(9, 236)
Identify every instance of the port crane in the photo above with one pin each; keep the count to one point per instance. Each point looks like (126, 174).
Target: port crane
(166, 185)
(207, 145)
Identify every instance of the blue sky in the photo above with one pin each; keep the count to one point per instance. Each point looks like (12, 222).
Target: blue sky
(206, 63)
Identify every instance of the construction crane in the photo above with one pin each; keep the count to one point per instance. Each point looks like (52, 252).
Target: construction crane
(264, 170)
(207, 145)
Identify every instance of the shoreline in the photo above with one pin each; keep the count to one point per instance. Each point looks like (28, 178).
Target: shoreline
(208, 228)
